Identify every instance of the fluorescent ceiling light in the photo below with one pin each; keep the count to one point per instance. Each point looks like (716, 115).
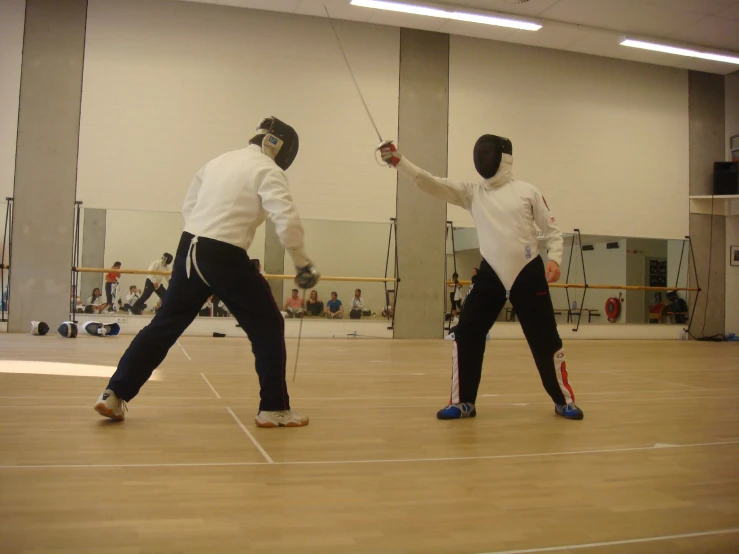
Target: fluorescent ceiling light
(679, 51)
(447, 14)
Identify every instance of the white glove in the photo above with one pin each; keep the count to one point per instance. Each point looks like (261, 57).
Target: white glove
(389, 154)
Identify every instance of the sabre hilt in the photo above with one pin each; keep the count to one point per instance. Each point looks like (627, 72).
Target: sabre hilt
(379, 146)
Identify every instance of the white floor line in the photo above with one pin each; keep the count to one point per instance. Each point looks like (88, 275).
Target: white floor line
(511, 456)
(649, 379)
(399, 406)
(211, 386)
(614, 543)
(382, 461)
(433, 397)
(184, 351)
(251, 437)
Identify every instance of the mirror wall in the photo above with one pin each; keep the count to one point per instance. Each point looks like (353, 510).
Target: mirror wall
(136, 239)
(604, 260)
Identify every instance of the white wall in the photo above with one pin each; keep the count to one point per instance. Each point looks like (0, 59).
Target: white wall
(732, 277)
(12, 16)
(347, 249)
(170, 85)
(605, 140)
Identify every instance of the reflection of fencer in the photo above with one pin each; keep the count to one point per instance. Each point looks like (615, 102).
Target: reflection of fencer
(154, 283)
(505, 211)
(228, 199)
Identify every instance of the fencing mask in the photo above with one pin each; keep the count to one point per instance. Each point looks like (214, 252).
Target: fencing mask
(68, 329)
(167, 258)
(100, 330)
(39, 328)
(278, 140)
(488, 153)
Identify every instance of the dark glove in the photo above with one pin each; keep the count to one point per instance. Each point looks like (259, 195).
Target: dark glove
(307, 276)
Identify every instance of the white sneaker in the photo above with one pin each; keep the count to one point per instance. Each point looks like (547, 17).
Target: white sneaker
(109, 405)
(286, 418)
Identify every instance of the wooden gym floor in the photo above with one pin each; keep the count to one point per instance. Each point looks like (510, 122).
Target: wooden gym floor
(653, 468)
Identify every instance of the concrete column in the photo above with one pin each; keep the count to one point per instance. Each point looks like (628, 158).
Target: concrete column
(423, 114)
(706, 112)
(93, 250)
(46, 161)
(274, 260)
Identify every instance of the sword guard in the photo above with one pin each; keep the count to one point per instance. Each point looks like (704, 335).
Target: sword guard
(381, 145)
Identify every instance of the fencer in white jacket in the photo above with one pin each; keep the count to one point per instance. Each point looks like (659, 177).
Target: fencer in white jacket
(228, 199)
(506, 212)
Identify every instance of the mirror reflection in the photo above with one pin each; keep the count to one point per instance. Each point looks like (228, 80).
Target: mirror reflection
(606, 261)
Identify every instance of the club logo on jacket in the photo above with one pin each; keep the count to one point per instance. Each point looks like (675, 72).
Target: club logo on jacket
(529, 254)
(273, 140)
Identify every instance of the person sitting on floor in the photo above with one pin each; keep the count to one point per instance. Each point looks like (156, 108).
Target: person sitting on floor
(334, 308)
(357, 305)
(294, 305)
(94, 304)
(315, 304)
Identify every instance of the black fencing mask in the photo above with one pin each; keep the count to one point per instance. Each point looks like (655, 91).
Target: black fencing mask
(167, 258)
(488, 153)
(278, 140)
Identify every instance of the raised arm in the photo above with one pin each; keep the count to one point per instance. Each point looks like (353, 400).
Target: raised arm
(453, 192)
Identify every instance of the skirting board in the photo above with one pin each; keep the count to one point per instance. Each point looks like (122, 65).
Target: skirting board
(378, 328)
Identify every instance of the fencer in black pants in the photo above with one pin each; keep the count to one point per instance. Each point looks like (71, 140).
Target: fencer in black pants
(229, 198)
(507, 213)
(533, 304)
(227, 272)
(149, 289)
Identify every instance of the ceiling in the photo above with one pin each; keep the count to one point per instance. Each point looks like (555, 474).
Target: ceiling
(587, 26)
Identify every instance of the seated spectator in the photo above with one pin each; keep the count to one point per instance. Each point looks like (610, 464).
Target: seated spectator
(677, 307)
(334, 309)
(315, 304)
(94, 304)
(133, 295)
(294, 305)
(111, 286)
(357, 305)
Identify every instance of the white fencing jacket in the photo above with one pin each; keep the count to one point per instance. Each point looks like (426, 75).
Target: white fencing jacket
(505, 211)
(233, 194)
(158, 265)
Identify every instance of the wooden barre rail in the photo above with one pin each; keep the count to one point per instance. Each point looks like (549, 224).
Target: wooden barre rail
(266, 276)
(603, 287)
(392, 280)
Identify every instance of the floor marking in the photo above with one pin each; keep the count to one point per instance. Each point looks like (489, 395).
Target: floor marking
(251, 437)
(354, 406)
(380, 461)
(184, 351)
(614, 543)
(211, 386)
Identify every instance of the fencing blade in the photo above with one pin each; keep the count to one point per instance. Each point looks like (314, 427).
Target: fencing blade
(356, 85)
(300, 334)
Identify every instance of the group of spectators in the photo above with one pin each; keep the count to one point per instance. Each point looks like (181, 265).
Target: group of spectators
(314, 307)
(136, 300)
